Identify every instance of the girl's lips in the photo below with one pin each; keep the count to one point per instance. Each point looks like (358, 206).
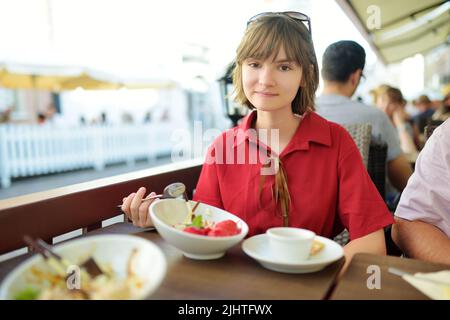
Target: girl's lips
(266, 94)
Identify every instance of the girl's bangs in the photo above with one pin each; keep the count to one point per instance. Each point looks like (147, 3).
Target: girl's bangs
(262, 42)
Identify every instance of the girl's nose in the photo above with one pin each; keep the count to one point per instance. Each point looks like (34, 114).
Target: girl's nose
(266, 77)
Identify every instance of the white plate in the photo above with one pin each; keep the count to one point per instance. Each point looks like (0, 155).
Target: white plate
(113, 250)
(258, 248)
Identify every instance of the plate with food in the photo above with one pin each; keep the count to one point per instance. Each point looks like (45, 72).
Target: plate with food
(200, 231)
(323, 252)
(129, 267)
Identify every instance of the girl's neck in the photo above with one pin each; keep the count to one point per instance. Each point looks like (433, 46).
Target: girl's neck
(284, 120)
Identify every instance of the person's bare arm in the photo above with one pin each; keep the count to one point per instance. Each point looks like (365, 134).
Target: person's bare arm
(400, 119)
(371, 243)
(421, 240)
(399, 171)
(406, 142)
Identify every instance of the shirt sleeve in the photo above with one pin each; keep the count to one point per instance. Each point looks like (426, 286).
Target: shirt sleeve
(427, 194)
(360, 206)
(208, 188)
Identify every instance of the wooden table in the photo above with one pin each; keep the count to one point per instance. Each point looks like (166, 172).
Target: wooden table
(235, 276)
(353, 284)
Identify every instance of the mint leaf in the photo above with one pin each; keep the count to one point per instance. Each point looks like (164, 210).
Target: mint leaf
(197, 222)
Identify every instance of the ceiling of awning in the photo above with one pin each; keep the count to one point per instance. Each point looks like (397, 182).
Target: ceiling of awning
(406, 27)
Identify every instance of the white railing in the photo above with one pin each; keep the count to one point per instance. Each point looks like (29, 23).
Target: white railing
(27, 150)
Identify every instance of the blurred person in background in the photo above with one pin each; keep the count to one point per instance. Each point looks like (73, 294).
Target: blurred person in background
(103, 118)
(40, 118)
(50, 112)
(82, 121)
(392, 103)
(52, 116)
(148, 117)
(424, 105)
(5, 115)
(443, 113)
(342, 68)
(376, 92)
(127, 118)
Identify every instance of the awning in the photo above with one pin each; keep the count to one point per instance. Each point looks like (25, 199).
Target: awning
(398, 29)
(60, 78)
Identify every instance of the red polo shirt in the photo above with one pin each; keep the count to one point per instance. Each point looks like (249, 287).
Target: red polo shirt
(328, 184)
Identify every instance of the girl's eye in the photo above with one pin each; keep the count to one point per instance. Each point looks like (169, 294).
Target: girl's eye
(285, 68)
(254, 64)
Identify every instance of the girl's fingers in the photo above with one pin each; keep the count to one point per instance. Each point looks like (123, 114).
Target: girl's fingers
(126, 205)
(143, 213)
(135, 204)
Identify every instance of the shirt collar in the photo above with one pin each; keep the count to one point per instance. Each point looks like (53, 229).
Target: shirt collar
(313, 128)
(332, 99)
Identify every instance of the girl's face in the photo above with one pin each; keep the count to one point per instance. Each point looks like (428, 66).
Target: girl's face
(271, 84)
(382, 102)
(385, 105)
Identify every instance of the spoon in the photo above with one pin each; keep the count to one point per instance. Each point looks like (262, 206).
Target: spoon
(173, 190)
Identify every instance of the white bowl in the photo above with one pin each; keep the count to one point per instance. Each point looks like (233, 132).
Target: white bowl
(149, 264)
(169, 212)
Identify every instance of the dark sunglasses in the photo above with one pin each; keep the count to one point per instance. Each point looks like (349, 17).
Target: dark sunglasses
(291, 14)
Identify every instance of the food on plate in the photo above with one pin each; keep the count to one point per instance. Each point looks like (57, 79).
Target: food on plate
(51, 285)
(220, 229)
(198, 224)
(317, 246)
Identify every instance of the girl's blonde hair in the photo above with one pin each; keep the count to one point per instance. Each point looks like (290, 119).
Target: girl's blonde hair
(263, 38)
(395, 95)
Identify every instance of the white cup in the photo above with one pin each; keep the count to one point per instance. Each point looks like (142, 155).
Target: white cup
(290, 244)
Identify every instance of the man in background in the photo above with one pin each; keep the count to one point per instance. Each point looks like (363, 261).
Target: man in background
(342, 68)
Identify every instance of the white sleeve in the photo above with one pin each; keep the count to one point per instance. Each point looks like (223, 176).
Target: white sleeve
(427, 194)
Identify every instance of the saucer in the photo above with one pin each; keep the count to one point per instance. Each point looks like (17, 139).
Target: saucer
(257, 247)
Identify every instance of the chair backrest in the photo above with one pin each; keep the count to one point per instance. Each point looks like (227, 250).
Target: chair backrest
(377, 165)
(361, 134)
(429, 128)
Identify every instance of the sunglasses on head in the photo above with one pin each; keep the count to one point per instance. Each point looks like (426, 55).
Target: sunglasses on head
(291, 14)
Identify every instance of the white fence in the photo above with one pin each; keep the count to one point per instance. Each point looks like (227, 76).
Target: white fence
(27, 150)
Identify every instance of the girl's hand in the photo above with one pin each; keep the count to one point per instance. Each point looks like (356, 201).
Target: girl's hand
(136, 210)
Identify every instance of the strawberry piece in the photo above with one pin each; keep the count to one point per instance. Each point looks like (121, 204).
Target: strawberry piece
(206, 230)
(224, 228)
(218, 233)
(195, 230)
